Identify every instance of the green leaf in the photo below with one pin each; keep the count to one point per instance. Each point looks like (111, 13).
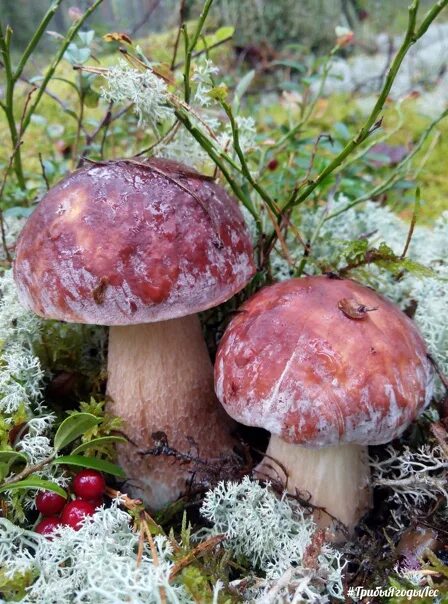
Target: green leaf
(91, 98)
(34, 483)
(220, 35)
(90, 462)
(97, 443)
(86, 37)
(11, 457)
(242, 88)
(73, 427)
(299, 66)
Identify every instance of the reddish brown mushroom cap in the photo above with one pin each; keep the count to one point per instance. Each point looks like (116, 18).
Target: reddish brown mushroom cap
(120, 243)
(299, 362)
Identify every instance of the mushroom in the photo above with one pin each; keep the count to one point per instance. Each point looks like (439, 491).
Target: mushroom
(327, 366)
(143, 247)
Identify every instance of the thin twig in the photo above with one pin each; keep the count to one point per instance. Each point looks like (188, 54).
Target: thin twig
(203, 51)
(412, 225)
(179, 31)
(145, 17)
(44, 172)
(165, 139)
(28, 470)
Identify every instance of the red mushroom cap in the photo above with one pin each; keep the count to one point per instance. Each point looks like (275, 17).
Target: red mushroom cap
(122, 243)
(311, 361)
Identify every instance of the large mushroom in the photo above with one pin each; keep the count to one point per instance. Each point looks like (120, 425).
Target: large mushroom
(143, 247)
(328, 367)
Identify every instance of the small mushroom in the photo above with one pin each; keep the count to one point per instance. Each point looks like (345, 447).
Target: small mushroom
(324, 384)
(143, 247)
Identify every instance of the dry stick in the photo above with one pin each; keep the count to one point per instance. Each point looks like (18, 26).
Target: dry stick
(179, 31)
(44, 173)
(79, 121)
(176, 182)
(412, 225)
(65, 108)
(105, 123)
(155, 557)
(198, 53)
(141, 543)
(306, 179)
(166, 138)
(280, 237)
(29, 470)
(145, 18)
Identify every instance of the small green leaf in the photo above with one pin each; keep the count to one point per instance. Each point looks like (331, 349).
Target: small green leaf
(34, 483)
(242, 88)
(86, 37)
(73, 427)
(220, 35)
(90, 462)
(91, 98)
(10, 457)
(97, 443)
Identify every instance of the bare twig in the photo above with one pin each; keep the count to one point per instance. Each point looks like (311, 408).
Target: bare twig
(179, 31)
(144, 19)
(28, 470)
(44, 172)
(412, 225)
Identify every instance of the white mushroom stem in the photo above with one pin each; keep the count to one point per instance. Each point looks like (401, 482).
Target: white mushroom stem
(160, 378)
(336, 478)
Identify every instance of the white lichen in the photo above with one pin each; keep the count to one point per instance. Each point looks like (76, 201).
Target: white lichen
(147, 91)
(97, 564)
(278, 539)
(414, 477)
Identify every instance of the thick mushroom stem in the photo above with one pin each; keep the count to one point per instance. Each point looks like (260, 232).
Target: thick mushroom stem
(160, 378)
(336, 478)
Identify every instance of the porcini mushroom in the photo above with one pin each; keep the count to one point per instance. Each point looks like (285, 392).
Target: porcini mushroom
(328, 366)
(143, 247)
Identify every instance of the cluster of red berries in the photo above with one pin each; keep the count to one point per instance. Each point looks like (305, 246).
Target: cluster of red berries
(88, 486)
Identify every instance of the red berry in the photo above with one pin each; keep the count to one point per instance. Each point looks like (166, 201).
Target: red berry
(75, 511)
(49, 503)
(47, 526)
(97, 503)
(89, 484)
(273, 164)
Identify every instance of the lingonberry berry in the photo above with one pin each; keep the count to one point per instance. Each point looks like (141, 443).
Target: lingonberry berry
(48, 525)
(49, 503)
(75, 511)
(273, 164)
(89, 484)
(97, 503)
